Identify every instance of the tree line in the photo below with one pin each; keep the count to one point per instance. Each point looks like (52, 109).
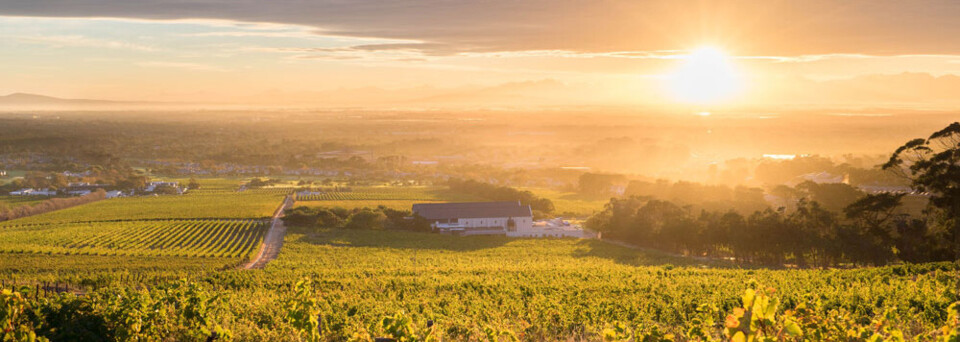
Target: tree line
(51, 205)
(872, 230)
(540, 206)
(379, 218)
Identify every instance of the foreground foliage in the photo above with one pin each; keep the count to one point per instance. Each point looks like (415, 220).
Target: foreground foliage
(341, 284)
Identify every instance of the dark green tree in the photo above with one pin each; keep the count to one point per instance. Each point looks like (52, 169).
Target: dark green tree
(933, 166)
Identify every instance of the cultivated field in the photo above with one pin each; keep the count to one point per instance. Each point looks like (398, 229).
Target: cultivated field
(193, 205)
(468, 288)
(196, 238)
(10, 202)
(533, 289)
(214, 222)
(391, 197)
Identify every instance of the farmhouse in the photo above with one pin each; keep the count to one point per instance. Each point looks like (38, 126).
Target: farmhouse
(152, 186)
(476, 218)
(34, 192)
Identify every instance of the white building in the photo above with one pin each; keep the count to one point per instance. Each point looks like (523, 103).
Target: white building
(478, 218)
(495, 218)
(79, 192)
(114, 193)
(153, 186)
(34, 192)
(558, 227)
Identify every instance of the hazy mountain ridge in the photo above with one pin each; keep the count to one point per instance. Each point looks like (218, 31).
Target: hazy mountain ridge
(919, 88)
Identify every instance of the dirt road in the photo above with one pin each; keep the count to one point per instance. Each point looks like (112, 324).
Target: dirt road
(272, 241)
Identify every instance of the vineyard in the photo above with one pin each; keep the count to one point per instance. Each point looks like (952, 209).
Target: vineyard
(201, 204)
(337, 284)
(194, 238)
(214, 222)
(364, 284)
(382, 193)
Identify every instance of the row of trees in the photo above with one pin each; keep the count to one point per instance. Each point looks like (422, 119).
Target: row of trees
(870, 230)
(120, 178)
(540, 206)
(379, 218)
(51, 205)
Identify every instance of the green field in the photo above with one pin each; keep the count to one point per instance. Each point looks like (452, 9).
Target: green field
(468, 287)
(192, 205)
(11, 202)
(359, 204)
(400, 198)
(570, 202)
(213, 222)
(202, 238)
(534, 289)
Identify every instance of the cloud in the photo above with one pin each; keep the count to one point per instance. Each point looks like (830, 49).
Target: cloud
(746, 27)
(60, 41)
(181, 65)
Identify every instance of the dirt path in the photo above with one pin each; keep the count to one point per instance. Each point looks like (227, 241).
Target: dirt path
(272, 241)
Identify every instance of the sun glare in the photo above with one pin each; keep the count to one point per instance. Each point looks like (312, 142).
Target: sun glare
(704, 76)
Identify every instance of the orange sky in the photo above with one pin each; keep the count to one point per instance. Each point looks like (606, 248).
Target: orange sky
(520, 52)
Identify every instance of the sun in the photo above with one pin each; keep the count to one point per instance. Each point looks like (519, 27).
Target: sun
(704, 76)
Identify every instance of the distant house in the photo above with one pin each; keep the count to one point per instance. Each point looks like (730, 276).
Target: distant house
(34, 192)
(477, 218)
(559, 227)
(152, 186)
(114, 194)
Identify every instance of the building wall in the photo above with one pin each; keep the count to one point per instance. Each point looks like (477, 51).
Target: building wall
(522, 223)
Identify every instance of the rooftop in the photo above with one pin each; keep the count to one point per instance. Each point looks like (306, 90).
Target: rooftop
(443, 211)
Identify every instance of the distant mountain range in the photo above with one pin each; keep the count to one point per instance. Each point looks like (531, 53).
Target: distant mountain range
(25, 100)
(875, 90)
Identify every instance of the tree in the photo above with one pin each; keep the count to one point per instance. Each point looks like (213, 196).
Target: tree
(832, 196)
(166, 190)
(933, 166)
(366, 219)
(327, 218)
(874, 210)
(193, 184)
(596, 184)
(300, 216)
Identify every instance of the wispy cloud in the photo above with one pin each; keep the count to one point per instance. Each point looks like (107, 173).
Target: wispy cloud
(182, 65)
(62, 41)
(762, 26)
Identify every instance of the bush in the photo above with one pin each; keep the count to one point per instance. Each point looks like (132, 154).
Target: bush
(366, 219)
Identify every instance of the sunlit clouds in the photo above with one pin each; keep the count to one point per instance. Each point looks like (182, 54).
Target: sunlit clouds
(617, 53)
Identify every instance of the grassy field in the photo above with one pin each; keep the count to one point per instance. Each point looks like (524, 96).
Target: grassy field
(355, 204)
(16, 201)
(570, 202)
(566, 203)
(391, 197)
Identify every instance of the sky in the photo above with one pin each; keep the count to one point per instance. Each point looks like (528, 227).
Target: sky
(591, 52)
